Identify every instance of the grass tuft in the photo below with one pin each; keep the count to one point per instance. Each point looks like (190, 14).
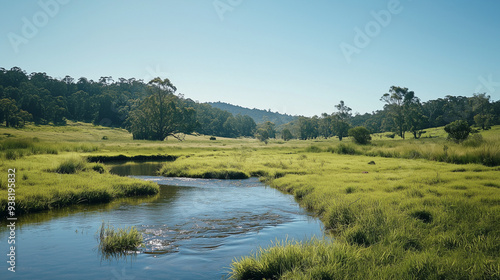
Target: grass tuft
(114, 241)
(71, 165)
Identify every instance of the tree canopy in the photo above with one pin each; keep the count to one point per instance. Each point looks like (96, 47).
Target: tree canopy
(149, 110)
(153, 110)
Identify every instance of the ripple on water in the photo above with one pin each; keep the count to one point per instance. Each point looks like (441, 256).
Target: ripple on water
(203, 233)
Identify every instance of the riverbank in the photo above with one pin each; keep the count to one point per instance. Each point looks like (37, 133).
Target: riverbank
(391, 218)
(397, 208)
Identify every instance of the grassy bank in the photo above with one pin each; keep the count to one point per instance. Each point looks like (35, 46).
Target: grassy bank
(46, 182)
(391, 218)
(397, 219)
(54, 174)
(398, 209)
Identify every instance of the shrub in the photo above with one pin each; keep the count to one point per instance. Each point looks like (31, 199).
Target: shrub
(458, 131)
(360, 134)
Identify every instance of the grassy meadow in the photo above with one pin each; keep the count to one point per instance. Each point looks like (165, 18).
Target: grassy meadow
(397, 209)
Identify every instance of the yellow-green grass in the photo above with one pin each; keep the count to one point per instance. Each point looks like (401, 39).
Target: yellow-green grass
(117, 241)
(403, 217)
(396, 218)
(52, 181)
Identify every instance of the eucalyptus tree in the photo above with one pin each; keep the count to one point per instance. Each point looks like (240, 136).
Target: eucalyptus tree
(400, 101)
(159, 115)
(341, 120)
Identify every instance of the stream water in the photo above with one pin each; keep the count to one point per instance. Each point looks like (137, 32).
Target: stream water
(193, 229)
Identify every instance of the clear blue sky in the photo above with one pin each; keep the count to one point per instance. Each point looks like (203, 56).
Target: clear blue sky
(285, 55)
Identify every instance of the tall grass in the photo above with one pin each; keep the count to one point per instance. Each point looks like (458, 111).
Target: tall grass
(113, 241)
(397, 219)
(12, 149)
(397, 209)
(475, 150)
(71, 165)
(41, 186)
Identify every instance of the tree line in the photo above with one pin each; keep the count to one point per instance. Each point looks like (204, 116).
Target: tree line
(403, 112)
(153, 110)
(150, 110)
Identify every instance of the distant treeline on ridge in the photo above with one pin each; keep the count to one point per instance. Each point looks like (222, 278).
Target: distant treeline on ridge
(152, 110)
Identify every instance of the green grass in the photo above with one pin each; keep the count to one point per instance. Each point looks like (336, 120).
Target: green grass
(397, 209)
(397, 219)
(115, 242)
(45, 182)
(71, 165)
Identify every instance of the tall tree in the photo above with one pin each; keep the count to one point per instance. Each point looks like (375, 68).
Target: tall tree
(415, 119)
(265, 131)
(399, 101)
(308, 127)
(159, 116)
(326, 125)
(341, 120)
(482, 110)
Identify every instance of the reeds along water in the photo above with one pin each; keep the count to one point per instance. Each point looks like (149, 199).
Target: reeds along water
(115, 242)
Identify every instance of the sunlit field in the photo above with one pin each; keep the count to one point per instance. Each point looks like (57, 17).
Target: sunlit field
(397, 209)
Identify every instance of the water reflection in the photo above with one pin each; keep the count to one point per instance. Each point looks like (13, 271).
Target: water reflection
(135, 168)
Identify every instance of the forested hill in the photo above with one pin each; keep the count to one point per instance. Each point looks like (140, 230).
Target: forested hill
(153, 110)
(258, 115)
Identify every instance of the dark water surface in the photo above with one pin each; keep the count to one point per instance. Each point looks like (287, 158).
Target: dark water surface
(193, 230)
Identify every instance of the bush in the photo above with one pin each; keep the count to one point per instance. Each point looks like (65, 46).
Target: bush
(360, 134)
(458, 131)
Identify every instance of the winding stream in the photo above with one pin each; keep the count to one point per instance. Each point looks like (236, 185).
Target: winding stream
(193, 230)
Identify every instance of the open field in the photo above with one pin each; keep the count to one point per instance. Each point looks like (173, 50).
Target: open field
(398, 209)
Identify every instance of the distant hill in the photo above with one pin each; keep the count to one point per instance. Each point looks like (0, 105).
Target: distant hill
(258, 115)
